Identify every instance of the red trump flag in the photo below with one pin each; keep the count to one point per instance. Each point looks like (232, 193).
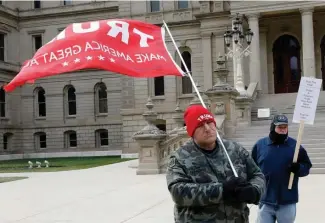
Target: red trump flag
(128, 47)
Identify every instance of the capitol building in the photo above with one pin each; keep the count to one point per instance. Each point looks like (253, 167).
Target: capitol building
(96, 111)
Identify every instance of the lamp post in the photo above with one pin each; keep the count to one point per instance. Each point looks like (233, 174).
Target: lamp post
(237, 37)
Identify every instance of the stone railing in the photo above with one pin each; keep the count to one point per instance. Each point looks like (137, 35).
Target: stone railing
(223, 100)
(173, 142)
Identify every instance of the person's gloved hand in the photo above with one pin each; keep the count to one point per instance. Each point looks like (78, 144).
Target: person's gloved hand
(247, 193)
(229, 187)
(294, 168)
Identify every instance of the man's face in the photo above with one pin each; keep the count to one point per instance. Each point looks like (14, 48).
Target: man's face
(281, 129)
(205, 133)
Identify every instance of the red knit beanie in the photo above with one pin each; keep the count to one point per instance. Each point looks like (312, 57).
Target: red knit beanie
(194, 116)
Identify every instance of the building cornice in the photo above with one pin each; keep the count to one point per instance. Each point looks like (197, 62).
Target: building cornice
(9, 13)
(24, 17)
(274, 6)
(202, 16)
(190, 23)
(217, 32)
(9, 67)
(111, 120)
(182, 37)
(71, 10)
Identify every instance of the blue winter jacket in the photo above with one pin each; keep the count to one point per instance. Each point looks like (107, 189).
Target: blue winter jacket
(274, 159)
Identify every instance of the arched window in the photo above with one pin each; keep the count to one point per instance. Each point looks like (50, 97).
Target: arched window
(40, 102)
(101, 98)
(184, 84)
(286, 63)
(70, 100)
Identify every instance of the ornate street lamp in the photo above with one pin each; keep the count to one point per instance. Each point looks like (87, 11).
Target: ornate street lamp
(237, 37)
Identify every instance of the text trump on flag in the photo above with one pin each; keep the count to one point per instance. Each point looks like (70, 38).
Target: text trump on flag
(128, 47)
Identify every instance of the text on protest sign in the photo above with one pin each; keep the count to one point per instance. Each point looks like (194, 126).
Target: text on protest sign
(307, 99)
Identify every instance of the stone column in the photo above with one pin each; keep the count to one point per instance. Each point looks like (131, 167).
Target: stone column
(149, 139)
(255, 60)
(263, 58)
(207, 60)
(308, 47)
(234, 60)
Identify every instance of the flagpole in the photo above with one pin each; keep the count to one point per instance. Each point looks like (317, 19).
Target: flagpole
(198, 93)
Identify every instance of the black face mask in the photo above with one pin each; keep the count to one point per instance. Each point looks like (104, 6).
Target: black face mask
(275, 137)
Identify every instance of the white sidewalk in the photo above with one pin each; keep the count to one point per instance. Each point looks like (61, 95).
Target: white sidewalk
(114, 194)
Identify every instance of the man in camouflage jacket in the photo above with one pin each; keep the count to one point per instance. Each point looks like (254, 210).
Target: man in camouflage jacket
(200, 179)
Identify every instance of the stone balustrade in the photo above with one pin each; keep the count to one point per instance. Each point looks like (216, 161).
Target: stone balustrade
(223, 100)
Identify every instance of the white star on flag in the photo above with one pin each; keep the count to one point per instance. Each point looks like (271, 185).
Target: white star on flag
(101, 57)
(65, 64)
(89, 58)
(112, 60)
(77, 60)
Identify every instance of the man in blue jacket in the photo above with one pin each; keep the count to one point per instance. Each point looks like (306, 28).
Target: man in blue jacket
(274, 155)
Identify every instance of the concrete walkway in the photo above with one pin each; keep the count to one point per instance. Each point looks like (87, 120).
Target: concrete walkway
(114, 194)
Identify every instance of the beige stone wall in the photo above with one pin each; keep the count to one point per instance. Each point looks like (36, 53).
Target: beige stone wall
(131, 124)
(198, 28)
(21, 102)
(127, 96)
(85, 136)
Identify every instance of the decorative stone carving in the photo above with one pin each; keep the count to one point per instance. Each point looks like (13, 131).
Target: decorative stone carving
(218, 6)
(222, 95)
(220, 77)
(179, 120)
(150, 116)
(182, 43)
(220, 108)
(243, 107)
(154, 18)
(148, 139)
(180, 16)
(205, 6)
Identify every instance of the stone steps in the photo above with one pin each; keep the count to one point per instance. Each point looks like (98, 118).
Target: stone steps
(317, 170)
(304, 140)
(260, 135)
(313, 138)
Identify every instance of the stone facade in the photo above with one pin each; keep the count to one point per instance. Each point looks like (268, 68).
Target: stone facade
(197, 27)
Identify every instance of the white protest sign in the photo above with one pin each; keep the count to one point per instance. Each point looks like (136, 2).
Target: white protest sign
(307, 99)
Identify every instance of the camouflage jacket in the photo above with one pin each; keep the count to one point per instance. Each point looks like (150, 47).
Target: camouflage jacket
(194, 180)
